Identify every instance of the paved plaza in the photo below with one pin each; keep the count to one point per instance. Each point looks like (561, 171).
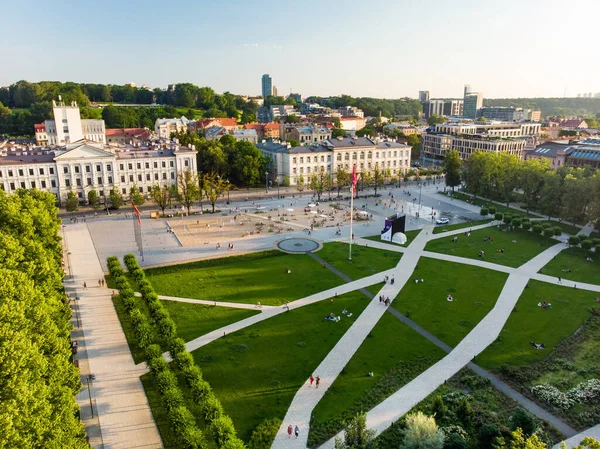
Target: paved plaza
(124, 414)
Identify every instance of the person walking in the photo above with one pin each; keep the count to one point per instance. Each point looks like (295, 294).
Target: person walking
(317, 381)
(99, 283)
(297, 431)
(102, 282)
(311, 380)
(85, 286)
(559, 280)
(290, 430)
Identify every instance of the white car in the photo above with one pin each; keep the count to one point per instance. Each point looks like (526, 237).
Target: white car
(442, 221)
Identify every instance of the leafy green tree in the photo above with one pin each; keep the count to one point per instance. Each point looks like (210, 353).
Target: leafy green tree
(523, 420)
(316, 184)
(286, 181)
(94, 199)
(338, 132)
(136, 197)
(328, 184)
(214, 186)
(356, 435)
(342, 177)
(248, 164)
(292, 118)
(115, 198)
(188, 188)
(586, 443)
(378, 179)
(577, 198)
(293, 143)
(531, 180)
(72, 203)
(161, 196)
(436, 119)
(422, 433)
(300, 182)
(551, 195)
(452, 166)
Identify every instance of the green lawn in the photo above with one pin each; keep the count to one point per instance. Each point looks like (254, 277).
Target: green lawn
(566, 228)
(527, 246)
(474, 290)
(246, 279)
(410, 236)
(574, 259)
(570, 308)
(395, 353)
(195, 320)
(365, 260)
(445, 228)
(257, 371)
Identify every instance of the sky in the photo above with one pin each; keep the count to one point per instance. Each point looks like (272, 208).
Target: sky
(375, 48)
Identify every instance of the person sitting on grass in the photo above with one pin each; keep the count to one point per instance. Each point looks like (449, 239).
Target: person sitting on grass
(449, 298)
(567, 270)
(537, 345)
(589, 259)
(370, 374)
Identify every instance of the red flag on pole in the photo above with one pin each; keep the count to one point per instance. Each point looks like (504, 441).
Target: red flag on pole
(354, 178)
(137, 214)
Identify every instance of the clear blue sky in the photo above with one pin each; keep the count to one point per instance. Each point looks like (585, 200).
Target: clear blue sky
(384, 48)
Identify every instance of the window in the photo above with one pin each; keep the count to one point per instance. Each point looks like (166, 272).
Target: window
(65, 169)
(12, 186)
(354, 156)
(43, 184)
(139, 178)
(76, 169)
(130, 178)
(171, 164)
(155, 164)
(88, 169)
(53, 184)
(101, 193)
(307, 169)
(78, 181)
(186, 163)
(147, 165)
(10, 173)
(141, 190)
(294, 170)
(130, 166)
(100, 180)
(139, 165)
(172, 175)
(51, 170)
(302, 160)
(41, 171)
(23, 185)
(110, 179)
(124, 190)
(164, 164)
(301, 169)
(89, 181)
(347, 156)
(156, 176)
(31, 172)
(294, 160)
(339, 157)
(20, 172)
(121, 167)
(308, 159)
(164, 176)
(148, 177)
(109, 167)
(33, 184)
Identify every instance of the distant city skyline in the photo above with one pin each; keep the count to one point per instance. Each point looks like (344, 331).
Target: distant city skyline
(385, 49)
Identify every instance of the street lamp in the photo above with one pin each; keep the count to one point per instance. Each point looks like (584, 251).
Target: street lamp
(228, 187)
(278, 185)
(267, 181)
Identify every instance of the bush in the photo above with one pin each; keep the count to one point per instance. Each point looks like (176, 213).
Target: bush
(143, 334)
(157, 364)
(201, 390)
(484, 211)
(126, 291)
(166, 328)
(128, 302)
(136, 317)
(523, 420)
(153, 351)
(184, 360)
(264, 434)
(212, 408)
(181, 418)
(165, 380)
(573, 240)
(492, 210)
(455, 441)
(117, 271)
(222, 429)
(157, 310)
(498, 216)
(507, 218)
(234, 443)
(516, 222)
(137, 274)
(191, 438)
(487, 434)
(172, 397)
(176, 346)
(597, 249)
(121, 282)
(145, 289)
(557, 231)
(536, 228)
(586, 244)
(526, 225)
(191, 372)
(596, 241)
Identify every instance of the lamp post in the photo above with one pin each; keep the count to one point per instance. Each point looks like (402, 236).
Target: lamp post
(267, 181)
(420, 187)
(278, 186)
(228, 187)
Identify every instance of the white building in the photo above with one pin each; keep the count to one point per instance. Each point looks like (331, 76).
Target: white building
(352, 123)
(281, 110)
(326, 157)
(245, 135)
(163, 127)
(84, 166)
(351, 111)
(68, 127)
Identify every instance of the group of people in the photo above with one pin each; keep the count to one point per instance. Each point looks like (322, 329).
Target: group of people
(417, 280)
(544, 305)
(386, 278)
(295, 430)
(384, 300)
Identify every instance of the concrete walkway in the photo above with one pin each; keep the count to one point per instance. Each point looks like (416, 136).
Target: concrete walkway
(233, 305)
(125, 417)
(593, 432)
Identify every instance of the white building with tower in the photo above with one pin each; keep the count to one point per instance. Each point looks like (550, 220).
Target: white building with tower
(68, 127)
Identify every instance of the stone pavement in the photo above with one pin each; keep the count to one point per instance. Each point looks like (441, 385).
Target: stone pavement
(233, 305)
(125, 417)
(593, 432)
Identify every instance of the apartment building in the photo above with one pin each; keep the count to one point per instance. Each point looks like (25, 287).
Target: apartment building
(68, 127)
(308, 134)
(164, 127)
(85, 165)
(351, 111)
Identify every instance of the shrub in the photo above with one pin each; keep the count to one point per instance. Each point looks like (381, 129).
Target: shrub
(144, 283)
(172, 397)
(112, 260)
(586, 244)
(166, 379)
(487, 434)
(117, 271)
(526, 225)
(516, 222)
(492, 210)
(121, 282)
(184, 360)
(136, 317)
(153, 351)
(222, 429)
(536, 228)
(191, 372)
(167, 329)
(557, 231)
(126, 292)
(145, 289)
(128, 302)
(422, 432)
(582, 237)
(264, 434)
(597, 249)
(507, 218)
(596, 241)
(573, 240)
(137, 274)
(157, 364)
(234, 443)
(191, 438)
(498, 216)
(455, 441)
(143, 334)
(176, 346)
(523, 420)
(201, 389)
(212, 408)
(181, 418)
(484, 211)
(151, 297)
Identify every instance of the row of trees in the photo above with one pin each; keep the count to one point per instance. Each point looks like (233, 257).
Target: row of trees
(560, 107)
(372, 106)
(569, 193)
(38, 381)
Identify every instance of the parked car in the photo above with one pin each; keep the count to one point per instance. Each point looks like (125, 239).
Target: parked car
(442, 221)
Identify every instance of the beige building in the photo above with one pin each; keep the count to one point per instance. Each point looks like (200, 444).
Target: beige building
(164, 127)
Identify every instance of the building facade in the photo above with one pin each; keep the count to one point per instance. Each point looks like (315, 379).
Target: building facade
(423, 96)
(267, 85)
(473, 101)
(84, 166)
(453, 108)
(68, 127)
(433, 107)
(164, 127)
(309, 134)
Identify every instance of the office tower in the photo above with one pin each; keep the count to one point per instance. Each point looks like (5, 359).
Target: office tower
(267, 85)
(423, 96)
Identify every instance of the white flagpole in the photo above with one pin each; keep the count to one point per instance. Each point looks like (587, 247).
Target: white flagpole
(351, 216)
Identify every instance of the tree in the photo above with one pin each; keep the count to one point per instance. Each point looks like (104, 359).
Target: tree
(422, 433)
(337, 132)
(300, 183)
(286, 181)
(378, 179)
(520, 419)
(341, 179)
(531, 180)
(316, 184)
(452, 166)
(161, 196)
(586, 443)
(576, 197)
(356, 435)
(94, 199)
(435, 119)
(115, 198)
(188, 188)
(292, 118)
(72, 203)
(248, 163)
(136, 197)
(328, 184)
(293, 143)
(214, 186)
(551, 195)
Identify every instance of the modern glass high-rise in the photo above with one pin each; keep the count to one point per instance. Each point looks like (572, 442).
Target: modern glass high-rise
(472, 103)
(267, 85)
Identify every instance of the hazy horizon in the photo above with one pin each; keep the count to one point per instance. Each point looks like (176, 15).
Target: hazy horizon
(384, 50)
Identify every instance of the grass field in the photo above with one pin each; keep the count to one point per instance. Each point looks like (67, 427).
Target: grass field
(365, 260)
(527, 246)
(474, 290)
(532, 323)
(574, 259)
(257, 371)
(410, 236)
(485, 203)
(395, 353)
(195, 320)
(439, 229)
(246, 279)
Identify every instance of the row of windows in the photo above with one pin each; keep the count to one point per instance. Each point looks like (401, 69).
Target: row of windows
(148, 177)
(138, 165)
(79, 182)
(32, 185)
(315, 159)
(30, 171)
(88, 168)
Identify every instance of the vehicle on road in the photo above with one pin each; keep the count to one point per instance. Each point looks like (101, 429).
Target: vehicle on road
(443, 220)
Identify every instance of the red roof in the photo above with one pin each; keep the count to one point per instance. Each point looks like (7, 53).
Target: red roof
(225, 122)
(40, 126)
(271, 125)
(575, 123)
(140, 133)
(253, 126)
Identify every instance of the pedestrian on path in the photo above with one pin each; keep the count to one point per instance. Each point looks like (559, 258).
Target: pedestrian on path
(559, 280)
(311, 380)
(296, 431)
(85, 286)
(317, 381)
(290, 430)
(392, 281)
(102, 282)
